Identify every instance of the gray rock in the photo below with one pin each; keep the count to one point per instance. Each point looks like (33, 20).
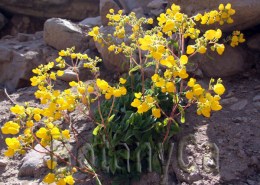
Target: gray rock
(228, 101)
(104, 7)
(91, 21)
(256, 101)
(254, 42)
(240, 105)
(112, 61)
(247, 12)
(32, 162)
(128, 6)
(231, 62)
(256, 98)
(62, 34)
(70, 9)
(3, 163)
(156, 4)
(68, 76)
(17, 59)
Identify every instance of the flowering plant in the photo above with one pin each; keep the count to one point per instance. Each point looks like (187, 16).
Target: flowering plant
(136, 110)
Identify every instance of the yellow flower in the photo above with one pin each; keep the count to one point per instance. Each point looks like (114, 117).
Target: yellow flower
(122, 80)
(60, 73)
(55, 133)
(66, 134)
(49, 178)
(220, 49)
(42, 133)
(51, 164)
(111, 10)
(69, 180)
(17, 109)
(228, 6)
(136, 103)
(37, 117)
(150, 21)
(102, 84)
(143, 108)
(10, 127)
(138, 95)
(156, 112)
(191, 82)
(170, 87)
(183, 74)
(73, 83)
(9, 152)
(219, 89)
(90, 89)
(221, 7)
(189, 95)
(13, 143)
(61, 182)
(202, 49)
(183, 59)
(190, 49)
(210, 34)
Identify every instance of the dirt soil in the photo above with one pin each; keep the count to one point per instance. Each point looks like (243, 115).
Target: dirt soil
(234, 131)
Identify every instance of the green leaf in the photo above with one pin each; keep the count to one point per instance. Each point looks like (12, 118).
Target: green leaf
(182, 114)
(134, 69)
(148, 64)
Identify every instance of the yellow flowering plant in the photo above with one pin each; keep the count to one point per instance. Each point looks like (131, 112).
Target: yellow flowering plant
(139, 109)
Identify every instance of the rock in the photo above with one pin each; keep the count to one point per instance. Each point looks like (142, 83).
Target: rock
(23, 24)
(256, 98)
(254, 42)
(157, 6)
(231, 62)
(91, 21)
(139, 12)
(68, 76)
(256, 101)
(113, 62)
(3, 21)
(240, 105)
(104, 7)
(247, 12)
(62, 34)
(3, 163)
(32, 162)
(128, 6)
(17, 59)
(70, 9)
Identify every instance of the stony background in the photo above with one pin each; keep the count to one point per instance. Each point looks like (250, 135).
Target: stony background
(32, 32)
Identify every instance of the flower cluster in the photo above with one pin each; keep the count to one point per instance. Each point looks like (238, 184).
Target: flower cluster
(237, 37)
(109, 91)
(205, 101)
(223, 15)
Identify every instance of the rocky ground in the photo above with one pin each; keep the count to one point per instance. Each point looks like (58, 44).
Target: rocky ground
(225, 148)
(234, 130)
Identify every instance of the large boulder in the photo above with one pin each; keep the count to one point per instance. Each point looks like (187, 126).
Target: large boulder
(128, 6)
(105, 6)
(62, 34)
(247, 12)
(18, 56)
(231, 62)
(254, 42)
(113, 62)
(70, 9)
